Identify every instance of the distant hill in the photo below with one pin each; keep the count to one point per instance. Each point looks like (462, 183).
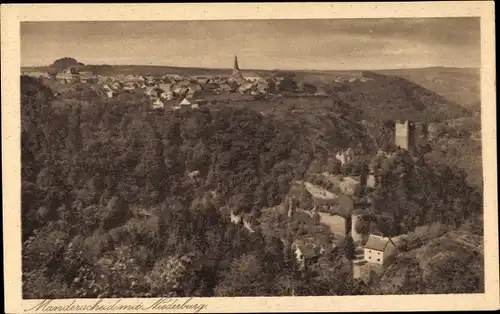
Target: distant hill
(392, 97)
(461, 85)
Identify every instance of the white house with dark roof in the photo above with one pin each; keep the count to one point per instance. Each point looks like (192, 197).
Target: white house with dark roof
(379, 250)
(306, 254)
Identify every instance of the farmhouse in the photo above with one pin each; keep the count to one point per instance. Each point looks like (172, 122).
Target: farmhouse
(379, 250)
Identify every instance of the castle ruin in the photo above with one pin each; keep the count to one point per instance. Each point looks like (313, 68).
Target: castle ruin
(405, 135)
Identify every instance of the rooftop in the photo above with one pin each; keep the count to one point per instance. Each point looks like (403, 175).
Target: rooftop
(377, 243)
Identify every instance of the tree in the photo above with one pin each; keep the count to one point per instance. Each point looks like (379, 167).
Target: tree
(172, 276)
(245, 278)
(333, 166)
(457, 274)
(349, 247)
(65, 62)
(404, 276)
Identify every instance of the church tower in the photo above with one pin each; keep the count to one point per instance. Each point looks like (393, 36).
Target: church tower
(237, 76)
(236, 67)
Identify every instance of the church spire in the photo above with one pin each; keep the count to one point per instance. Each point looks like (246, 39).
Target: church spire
(237, 76)
(236, 67)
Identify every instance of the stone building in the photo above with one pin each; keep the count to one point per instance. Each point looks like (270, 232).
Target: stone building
(405, 135)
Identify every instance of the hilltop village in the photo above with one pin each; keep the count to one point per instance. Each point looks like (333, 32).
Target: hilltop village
(173, 91)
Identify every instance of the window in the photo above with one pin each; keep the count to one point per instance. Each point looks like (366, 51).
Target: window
(378, 253)
(378, 259)
(369, 257)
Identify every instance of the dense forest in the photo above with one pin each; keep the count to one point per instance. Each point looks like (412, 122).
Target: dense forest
(119, 201)
(109, 184)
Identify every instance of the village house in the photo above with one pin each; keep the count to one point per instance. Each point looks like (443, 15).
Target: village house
(245, 87)
(306, 254)
(150, 81)
(108, 91)
(168, 95)
(193, 174)
(236, 219)
(345, 156)
(130, 85)
(154, 93)
(379, 250)
(149, 90)
(116, 85)
(185, 103)
(158, 104)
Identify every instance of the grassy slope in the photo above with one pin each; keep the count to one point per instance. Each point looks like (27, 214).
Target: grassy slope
(461, 85)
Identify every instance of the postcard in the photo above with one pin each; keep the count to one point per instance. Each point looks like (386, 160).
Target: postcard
(191, 158)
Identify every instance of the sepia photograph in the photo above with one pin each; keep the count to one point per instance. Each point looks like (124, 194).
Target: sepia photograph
(271, 157)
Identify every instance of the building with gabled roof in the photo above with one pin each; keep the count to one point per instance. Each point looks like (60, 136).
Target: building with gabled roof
(185, 102)
(306, 253)
(379, 250)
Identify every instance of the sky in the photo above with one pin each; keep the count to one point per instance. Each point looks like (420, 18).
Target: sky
(314, 44)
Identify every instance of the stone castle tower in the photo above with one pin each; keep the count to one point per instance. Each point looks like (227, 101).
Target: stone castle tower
(405, 135)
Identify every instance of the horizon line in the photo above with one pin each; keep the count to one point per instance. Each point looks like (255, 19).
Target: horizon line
(277, 69)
